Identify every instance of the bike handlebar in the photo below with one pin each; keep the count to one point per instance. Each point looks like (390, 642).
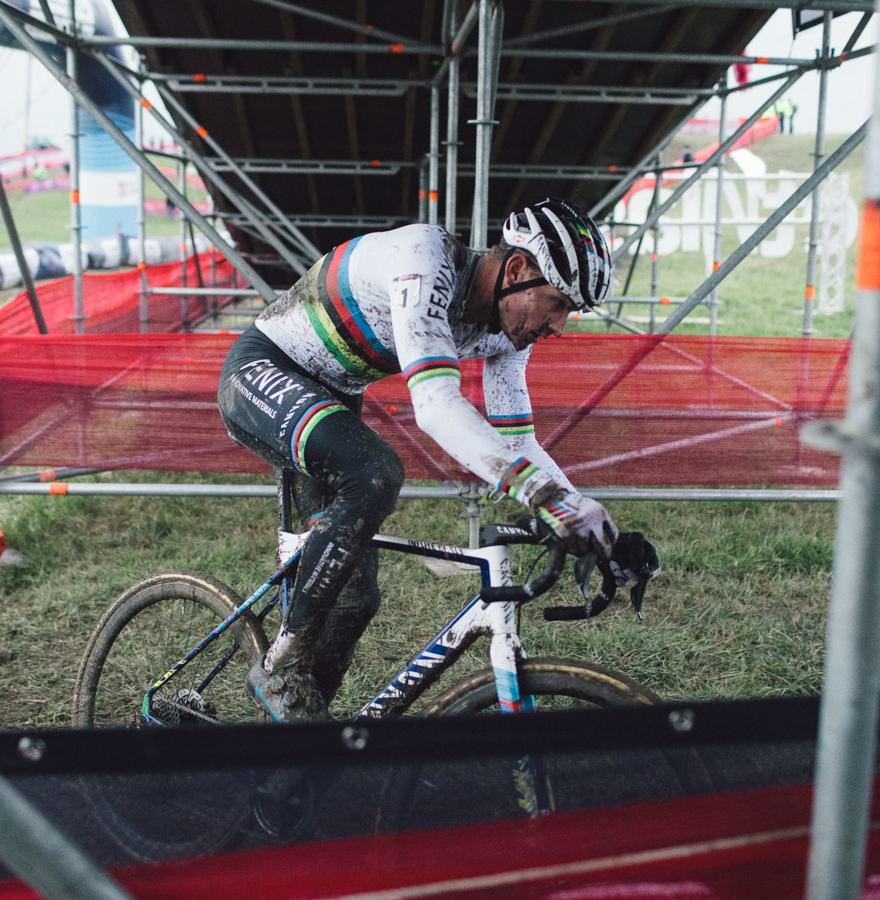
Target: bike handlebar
(533, 588)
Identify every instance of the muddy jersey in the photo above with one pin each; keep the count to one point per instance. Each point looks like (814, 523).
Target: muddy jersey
(393, 302)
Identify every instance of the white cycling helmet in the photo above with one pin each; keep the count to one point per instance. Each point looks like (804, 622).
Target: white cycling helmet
(570, 250)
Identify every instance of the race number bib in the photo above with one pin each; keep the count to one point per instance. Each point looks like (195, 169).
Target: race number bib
(406, 291)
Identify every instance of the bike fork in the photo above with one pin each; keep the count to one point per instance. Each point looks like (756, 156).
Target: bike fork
(505, 651)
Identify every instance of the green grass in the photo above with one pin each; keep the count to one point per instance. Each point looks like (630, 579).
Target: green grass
(739, 610)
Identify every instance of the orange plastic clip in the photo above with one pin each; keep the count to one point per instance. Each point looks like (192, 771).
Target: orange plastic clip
(810, 292)
(433, 196)
(762, 60)
(201, 131)
(58, 488)
(395, 48)
(665, 301)
(612, 168)
(375, 163)
(868, 265)
(74, 198)
(716, 266)
(47, 475)
(200, 77)
(146, 103)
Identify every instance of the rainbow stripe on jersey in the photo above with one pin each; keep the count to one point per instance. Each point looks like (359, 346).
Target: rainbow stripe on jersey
(431, 367)
(338, 321)
(523, 423)
(316, 413)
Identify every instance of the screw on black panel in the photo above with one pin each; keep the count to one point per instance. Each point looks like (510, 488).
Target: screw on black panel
(32, 749)
(354, 737)
(682, 720)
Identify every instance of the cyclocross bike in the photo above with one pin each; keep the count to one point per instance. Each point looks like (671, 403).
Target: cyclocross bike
(175, 650)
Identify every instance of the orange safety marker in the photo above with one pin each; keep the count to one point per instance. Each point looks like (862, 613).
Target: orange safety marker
(146, 103)
(395, 48)
(58, 488)
(868, 263)
(375, 162)
(200, 77)
(47, 475)
(612, 168)
(762, 60)
(74, 198)
(716, 266)
(653, 257)
(421, 194)
(433, 196)
(201, 131)
(142, 266)
(810, 292)
(665, 301)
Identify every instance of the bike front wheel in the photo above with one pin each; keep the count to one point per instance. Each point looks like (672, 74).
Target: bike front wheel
(484, 789)
(144, 633)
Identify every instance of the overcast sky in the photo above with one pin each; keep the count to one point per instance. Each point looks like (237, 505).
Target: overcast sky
(849, 99)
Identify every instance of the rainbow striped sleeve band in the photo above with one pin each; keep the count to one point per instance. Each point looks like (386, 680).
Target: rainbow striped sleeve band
(521, 479)
(510, 426)
(316, 413)
(431, 367)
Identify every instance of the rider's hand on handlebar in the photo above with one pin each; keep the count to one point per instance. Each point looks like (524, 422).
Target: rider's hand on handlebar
(582, 524)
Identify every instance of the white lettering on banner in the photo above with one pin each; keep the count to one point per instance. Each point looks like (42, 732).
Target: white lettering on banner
(748, 199)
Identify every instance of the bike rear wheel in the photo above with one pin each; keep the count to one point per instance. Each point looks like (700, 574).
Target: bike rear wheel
(143, 634)
(452, 793)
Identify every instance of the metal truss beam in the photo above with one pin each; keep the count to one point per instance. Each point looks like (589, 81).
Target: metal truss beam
(270, 46)
(312, 166)
(257, 84)
(577, 94)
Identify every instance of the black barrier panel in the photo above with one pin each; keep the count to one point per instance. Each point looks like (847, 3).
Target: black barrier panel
(127, 796)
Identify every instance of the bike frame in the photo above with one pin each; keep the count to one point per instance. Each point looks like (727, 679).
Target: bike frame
(495, 619)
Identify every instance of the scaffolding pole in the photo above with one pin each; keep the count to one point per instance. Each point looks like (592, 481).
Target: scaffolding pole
(434, 158)
(848, 715)
(143, 300)
(79, 317)
(26, 277)
(35, 850)
(815, 208)
(452, 142)
(10, 20)
(719, 201)
(491, 18)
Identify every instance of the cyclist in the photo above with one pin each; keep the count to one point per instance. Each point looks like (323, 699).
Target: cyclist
(417, 301)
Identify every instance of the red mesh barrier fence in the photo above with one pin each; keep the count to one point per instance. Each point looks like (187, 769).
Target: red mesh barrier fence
(111, 300)
(612, 409)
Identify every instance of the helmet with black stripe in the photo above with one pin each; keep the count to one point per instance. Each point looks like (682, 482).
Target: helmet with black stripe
(569, 248)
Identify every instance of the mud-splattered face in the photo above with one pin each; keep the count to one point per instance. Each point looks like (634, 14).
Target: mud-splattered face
(537, 312)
